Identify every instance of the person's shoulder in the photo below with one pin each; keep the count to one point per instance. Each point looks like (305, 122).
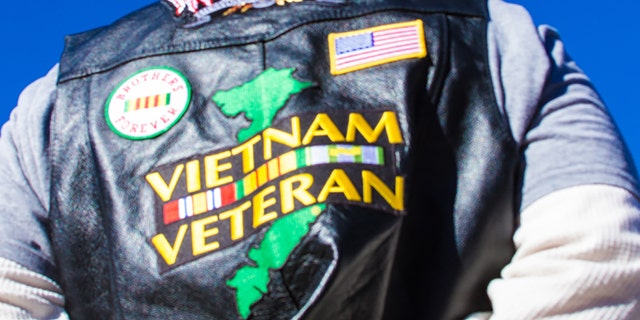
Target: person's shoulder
(144, 18)
(137, 34)
(500, 10)
(35, 98)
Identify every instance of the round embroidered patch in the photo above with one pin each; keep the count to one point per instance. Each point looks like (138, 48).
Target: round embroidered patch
(148, 103)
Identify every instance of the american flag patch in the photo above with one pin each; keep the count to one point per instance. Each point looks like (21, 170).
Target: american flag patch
(360, 49)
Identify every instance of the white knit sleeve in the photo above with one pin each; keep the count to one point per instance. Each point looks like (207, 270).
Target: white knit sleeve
(577, 257)
(25, 294)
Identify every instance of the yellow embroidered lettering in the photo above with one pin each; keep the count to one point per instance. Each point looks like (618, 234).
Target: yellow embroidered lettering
(323, 126)
(247, 153)
(339, 182)
(236, 217)
(370, 181)
(162, 189)
(260, 204)
(199, 236)
(288, 193)
(274, 135)
(213, 167)
(388, 122)
(168, 252)
(193, 176)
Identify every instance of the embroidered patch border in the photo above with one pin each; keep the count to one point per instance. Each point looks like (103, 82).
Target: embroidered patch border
(211, 201)
(365, 48)
(148, 103)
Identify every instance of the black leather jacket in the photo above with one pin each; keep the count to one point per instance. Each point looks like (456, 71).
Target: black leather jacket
(254, 182)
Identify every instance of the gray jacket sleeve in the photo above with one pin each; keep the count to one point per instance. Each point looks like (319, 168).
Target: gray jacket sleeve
(24, 176)
(565, 132)
(577, 242)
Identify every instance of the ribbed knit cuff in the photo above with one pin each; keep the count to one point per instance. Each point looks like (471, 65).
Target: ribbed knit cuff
(25, 294)
(578, 257)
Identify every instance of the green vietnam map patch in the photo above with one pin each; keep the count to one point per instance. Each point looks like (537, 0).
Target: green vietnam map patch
(272, 186)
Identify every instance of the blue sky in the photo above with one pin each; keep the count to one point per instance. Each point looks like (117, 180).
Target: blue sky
(600, 37)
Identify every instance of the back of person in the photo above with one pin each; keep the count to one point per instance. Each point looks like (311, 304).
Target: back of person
(262, 160)
(270, 160)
